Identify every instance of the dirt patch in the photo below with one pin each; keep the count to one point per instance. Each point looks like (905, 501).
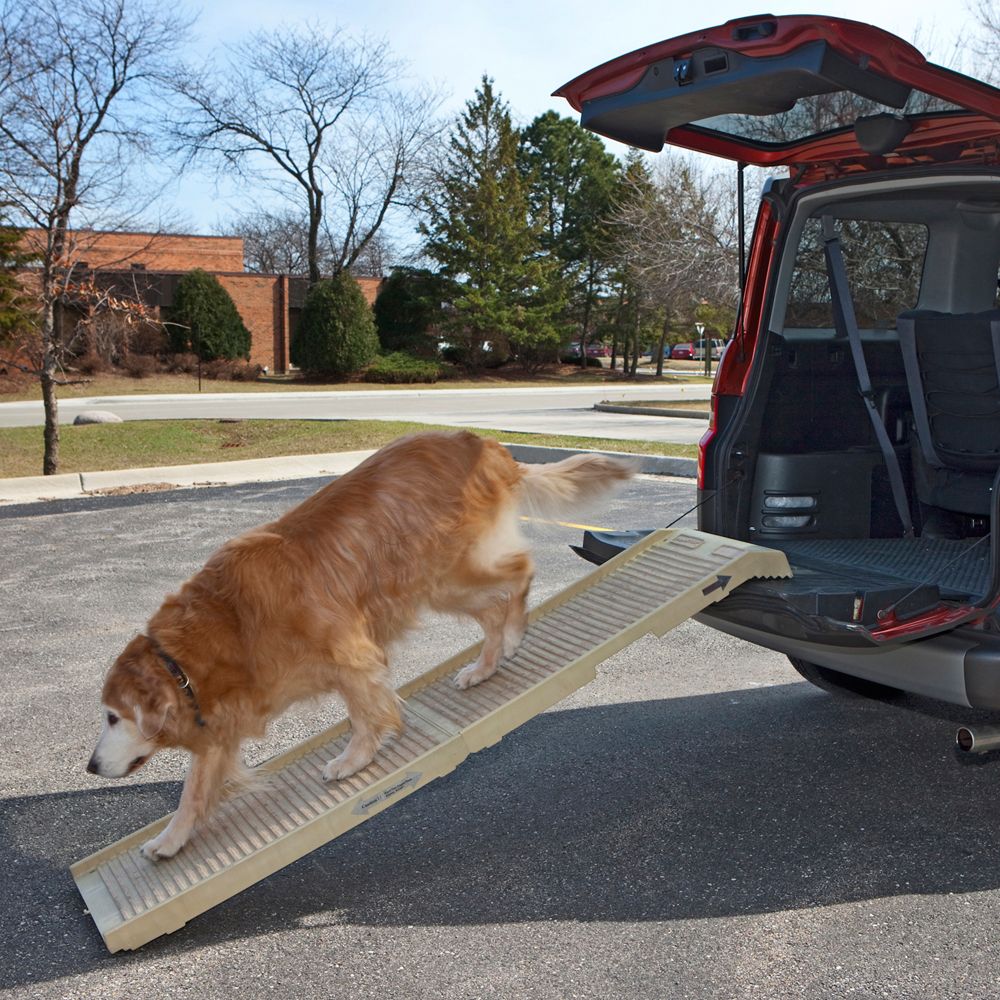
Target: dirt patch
(124, 491)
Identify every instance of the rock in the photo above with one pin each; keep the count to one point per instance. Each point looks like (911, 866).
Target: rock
(97, 417)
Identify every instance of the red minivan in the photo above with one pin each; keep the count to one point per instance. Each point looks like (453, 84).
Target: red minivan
(856, 410)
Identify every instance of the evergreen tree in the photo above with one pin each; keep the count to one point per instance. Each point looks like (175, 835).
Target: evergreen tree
(204, 319)
(480, 233)
(15, 307)
(336, 333)
(572, 181)
(408, 305)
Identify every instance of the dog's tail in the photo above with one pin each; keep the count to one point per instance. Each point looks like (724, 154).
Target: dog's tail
(559, 487)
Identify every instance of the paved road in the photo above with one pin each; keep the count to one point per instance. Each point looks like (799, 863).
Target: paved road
(555, 410)
(697, 823)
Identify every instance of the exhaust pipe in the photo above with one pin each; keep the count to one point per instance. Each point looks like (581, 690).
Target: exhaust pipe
(982, 739)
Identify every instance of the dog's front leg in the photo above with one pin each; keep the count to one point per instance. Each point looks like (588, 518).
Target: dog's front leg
(201, 792)
(373, 708)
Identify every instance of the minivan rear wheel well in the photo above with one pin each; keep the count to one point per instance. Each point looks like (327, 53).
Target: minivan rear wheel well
(845, 685)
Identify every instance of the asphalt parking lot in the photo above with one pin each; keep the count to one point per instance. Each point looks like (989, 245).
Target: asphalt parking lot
(696, 823)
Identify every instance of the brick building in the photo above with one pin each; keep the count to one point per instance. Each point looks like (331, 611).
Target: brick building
(153, 263)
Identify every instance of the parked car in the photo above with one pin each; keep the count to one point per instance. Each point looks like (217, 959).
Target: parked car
(682, 352)
(858, 429)
(715, 346)
(593, 351)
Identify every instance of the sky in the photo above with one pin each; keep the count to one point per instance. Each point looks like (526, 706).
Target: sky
(528, 48)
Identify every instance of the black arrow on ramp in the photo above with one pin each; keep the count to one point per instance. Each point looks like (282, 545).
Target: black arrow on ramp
(721, 582)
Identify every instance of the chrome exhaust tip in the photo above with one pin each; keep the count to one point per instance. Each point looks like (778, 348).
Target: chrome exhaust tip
(981, 739)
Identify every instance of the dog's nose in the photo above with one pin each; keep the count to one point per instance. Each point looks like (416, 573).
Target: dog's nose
(92, 765)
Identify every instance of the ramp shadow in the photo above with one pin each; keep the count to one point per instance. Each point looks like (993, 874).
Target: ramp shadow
(736, 803)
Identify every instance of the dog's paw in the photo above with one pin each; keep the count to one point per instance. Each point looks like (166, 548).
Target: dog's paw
(472, 675)
(161, 847)
(343, 766)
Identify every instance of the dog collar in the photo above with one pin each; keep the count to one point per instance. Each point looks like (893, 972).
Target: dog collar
(183, 681)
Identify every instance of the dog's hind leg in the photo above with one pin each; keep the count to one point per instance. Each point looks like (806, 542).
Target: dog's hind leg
(492, 619)
(201, 793)
(373, 708)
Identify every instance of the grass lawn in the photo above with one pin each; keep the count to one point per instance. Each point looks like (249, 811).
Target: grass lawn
(142, 443)
(12, 390)
(698, 405)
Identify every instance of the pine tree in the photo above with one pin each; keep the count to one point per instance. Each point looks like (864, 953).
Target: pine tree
(407, 307)
(479, 232)
(15, 306)
(572, 185)
(204, 319)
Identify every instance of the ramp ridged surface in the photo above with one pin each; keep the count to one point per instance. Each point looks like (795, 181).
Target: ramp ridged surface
(649, 588)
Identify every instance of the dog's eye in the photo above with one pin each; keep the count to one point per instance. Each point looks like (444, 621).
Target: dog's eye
(112, 718)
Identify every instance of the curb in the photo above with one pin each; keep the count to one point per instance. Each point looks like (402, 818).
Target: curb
(652, 411)
(653, 465)
(80, 485)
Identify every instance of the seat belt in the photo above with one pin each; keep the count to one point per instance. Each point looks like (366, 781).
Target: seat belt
(847, 326)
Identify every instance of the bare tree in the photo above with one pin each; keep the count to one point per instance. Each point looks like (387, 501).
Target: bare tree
(377, 259)
(313, 112)
(277, 242)
(986, 44)
(274, 242)
(74, 79)
(676, 240)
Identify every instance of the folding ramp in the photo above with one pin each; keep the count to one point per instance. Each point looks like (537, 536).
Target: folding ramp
(649, 588)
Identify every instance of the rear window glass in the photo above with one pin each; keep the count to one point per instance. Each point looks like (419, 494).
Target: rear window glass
(816, 116)
(884, 262)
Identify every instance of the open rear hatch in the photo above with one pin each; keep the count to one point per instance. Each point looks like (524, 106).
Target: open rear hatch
(827, 95)
(784, 90)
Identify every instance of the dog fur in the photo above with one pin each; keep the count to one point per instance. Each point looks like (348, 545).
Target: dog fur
(309, 604)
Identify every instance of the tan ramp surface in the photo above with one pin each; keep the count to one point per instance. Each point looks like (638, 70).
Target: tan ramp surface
(649, 588)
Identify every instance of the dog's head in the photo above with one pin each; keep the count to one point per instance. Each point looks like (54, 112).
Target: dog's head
(140, 702)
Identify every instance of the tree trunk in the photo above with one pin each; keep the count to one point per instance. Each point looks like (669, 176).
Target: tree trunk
(49, 366)
(619, 310)
(50, 463)
(585, 331)
(636, 329)
(664, 330)
(312, 250)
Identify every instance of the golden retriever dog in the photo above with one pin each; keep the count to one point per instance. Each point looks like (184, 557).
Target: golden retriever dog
(309, 604)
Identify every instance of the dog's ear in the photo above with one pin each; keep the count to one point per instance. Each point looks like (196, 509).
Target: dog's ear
(153, 719)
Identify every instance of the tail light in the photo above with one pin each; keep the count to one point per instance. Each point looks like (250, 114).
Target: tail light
(705, 440)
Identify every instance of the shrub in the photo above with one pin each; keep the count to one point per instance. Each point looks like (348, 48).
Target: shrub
(140, 365)
(246, 371)
(336, 333)
(149, 338)
(574, 359)
(400, 368)
(181, 364)
(92, 364)
(220, 370)
(204, 319)
(456, 354)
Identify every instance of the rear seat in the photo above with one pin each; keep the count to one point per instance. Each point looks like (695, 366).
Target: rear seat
(952, 363)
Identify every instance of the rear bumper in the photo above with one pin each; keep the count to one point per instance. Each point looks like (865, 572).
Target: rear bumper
(961, 667)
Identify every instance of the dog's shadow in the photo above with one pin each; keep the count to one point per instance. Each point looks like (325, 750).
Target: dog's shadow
(735, 803)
